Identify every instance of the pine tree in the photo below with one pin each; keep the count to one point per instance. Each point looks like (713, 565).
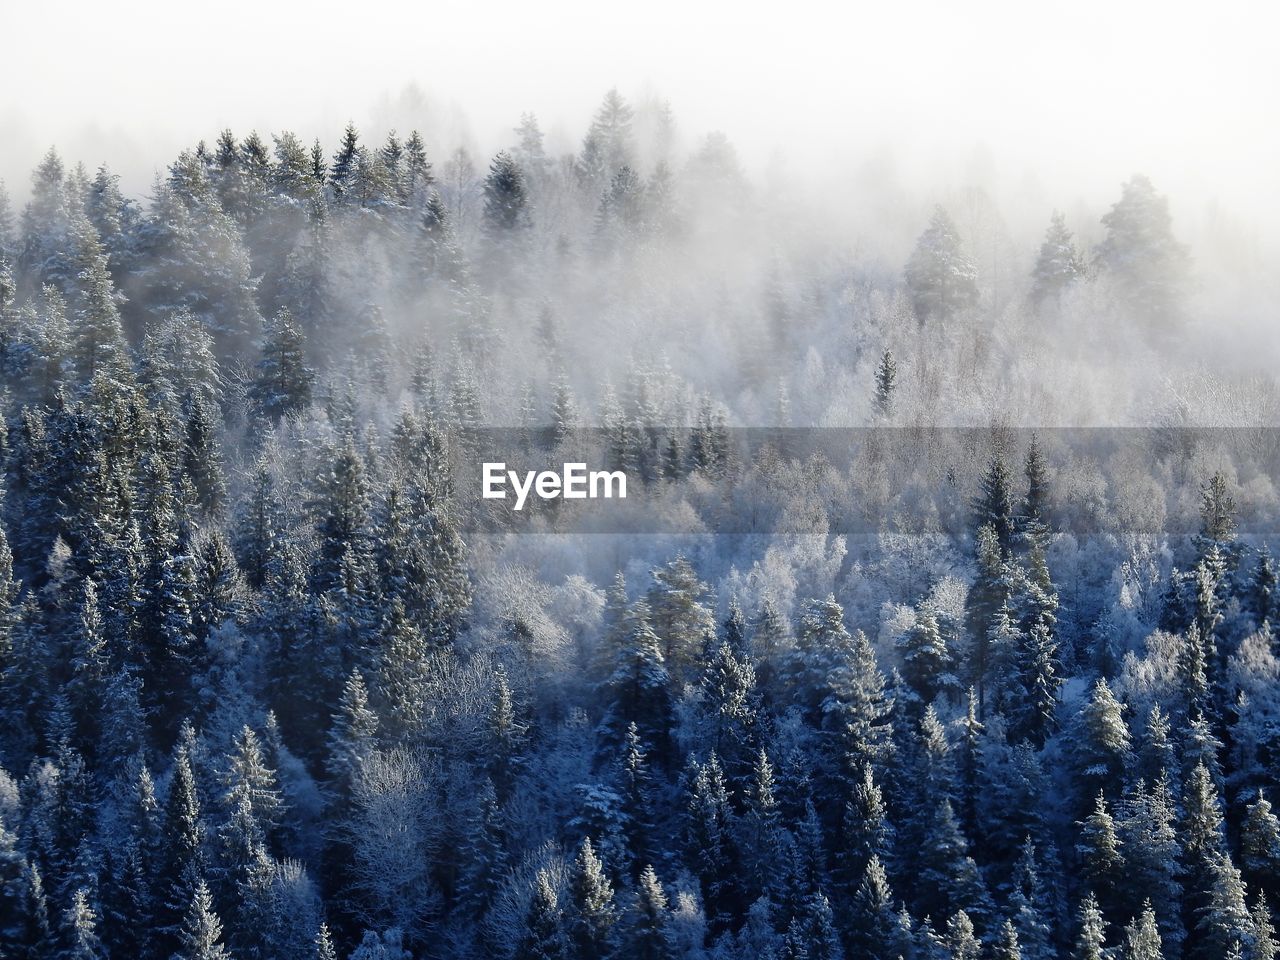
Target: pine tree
(565, 419)
(732, 706)
(948, 879)
(507, 735)
(621, 215)
(1156, 752)
(325, 949)
(1153, 856)
(709, 834)
(251, 780)
(807, 666)
(344, 521)
(1034, 515)
(417, 175)
(184, 832)
(1217, 511)
(636, 784)
(856, 707)
(607, 145)
(99, 347)
(812, 933)
(1028, 902)
(993, 506)
(996, 639)
(1035, 715)
(87, 687)
(1202, 821)
(201, 457)
(1193, 672)
(401, 677)
(761, 829)
(8, 235)
(867, 831)
(219, 589)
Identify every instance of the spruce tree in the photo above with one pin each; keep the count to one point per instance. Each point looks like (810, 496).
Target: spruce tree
(343, 168)
(940, 276)
(1101, 857)
(925, 657)
(352, 738)
(543, 937)
(1142, 939)
(1007, 946)
(594, 914)
(886, 381)
(506, 198)
(639, 689)
(1091, 941)
(994, 506)
(1148, 265)
(682, 620)
(856, 707)
(1102, 742)
(201, 929)
(1260, 846)
(961, 938)
(1263, 599)
(1058, 264)
(282, 385)
(80, 929)
(484, 861)
(647, 935)
(1265, 946)
(1224, 919)
(873, 921)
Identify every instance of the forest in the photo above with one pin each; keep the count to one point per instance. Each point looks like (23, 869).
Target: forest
(935, 624)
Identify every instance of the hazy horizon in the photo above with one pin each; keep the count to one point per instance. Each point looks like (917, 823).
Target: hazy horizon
(940, 96)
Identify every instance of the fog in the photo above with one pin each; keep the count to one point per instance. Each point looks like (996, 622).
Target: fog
(1069, 103)
(935, 344)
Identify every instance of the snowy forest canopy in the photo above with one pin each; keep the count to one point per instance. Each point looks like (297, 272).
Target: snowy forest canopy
(267, 691)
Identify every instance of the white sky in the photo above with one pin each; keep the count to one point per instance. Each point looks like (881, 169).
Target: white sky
(1083, 93)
